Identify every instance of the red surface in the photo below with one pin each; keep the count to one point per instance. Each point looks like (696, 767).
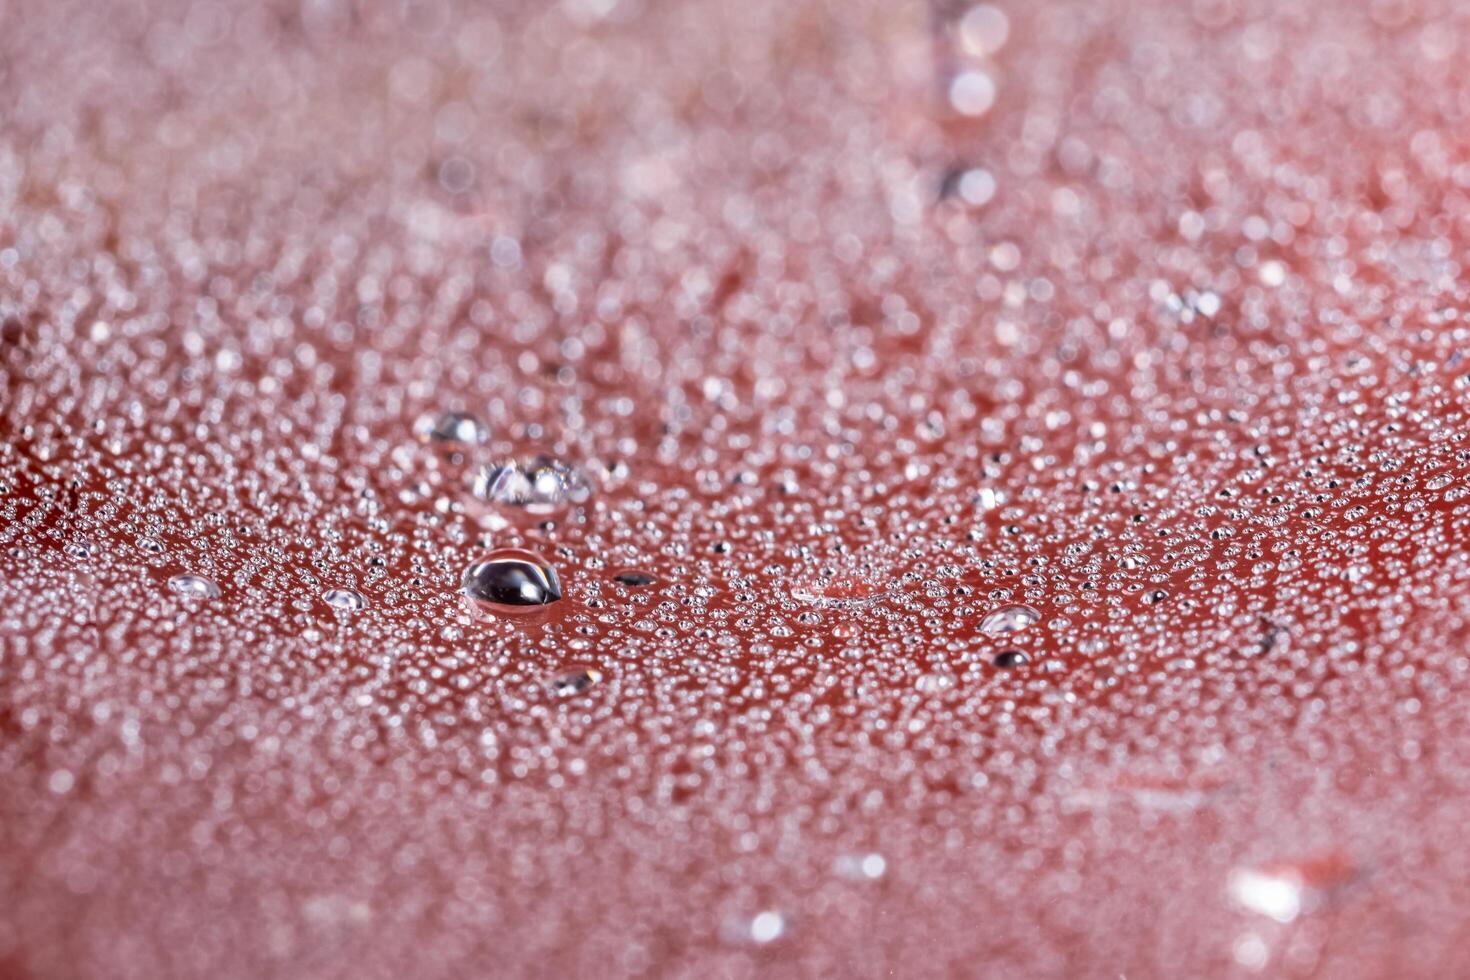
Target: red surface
(1191, 384)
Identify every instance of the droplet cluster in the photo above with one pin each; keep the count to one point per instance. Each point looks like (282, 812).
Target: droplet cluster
(614, 488)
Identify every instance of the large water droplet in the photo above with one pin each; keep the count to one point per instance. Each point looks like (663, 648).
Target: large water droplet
(1008, 619)
(538, 484)
(344, 599)
(511, 581)
(194, 587)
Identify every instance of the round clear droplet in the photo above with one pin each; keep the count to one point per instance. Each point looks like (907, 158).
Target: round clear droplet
(573, 680)
(511, 581)
(972, 93)
(451, 430)
(194, 587)
(538, 484)
(344, 599)
(1008, 619)
(1008, 659)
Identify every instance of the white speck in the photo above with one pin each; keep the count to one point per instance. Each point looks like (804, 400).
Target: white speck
(767, 927)
(977, 186)
(972, 93)
(861, 867)
(194, 587)
(984, 29)
(1271, 895)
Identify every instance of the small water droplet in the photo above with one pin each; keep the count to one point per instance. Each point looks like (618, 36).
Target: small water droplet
(1008, 619)
(344, 599)
(1007, 659)
(634, 578)
(972, 92)
(983, 30)
(511, 581)
(451, 430)
(538, 484)
(762, 928)
(194, 587)
(1283, 890)
(935, 682)
(861, 867)
(574, 680)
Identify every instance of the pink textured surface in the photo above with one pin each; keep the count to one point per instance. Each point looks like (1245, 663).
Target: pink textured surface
(1192, 384)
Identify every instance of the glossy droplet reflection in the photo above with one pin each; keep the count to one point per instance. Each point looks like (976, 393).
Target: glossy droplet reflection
(539, 484)
(344, 599)
(511, 581)
(1008, 659)
(451, 430)
(194, 587)
(1008, 619)
(572, 681)
(633, 578)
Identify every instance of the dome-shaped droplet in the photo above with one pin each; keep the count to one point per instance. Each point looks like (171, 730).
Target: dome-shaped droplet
(511, 581)
(1007, 659)
(634, 578)
(194, 587)
(1008, 619)
(538, 484)
(935, 682)
(573, 680)
(451, 430)
(344, 599)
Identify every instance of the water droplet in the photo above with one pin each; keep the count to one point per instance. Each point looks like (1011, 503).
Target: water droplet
(539, 484)
(194, 587)
(634, 578)
(861, 867)
(1282, 890)
(451, 430)
(976, 186)
(572, 681)
(344, 599)
(511, 581)
(1008, 619)
(972, 92)
(983, 30)
(935, 682)
(762, 928)
(1007, 659)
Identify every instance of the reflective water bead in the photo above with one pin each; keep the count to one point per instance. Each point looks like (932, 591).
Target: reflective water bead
(194, 587)
(574, 680)
(451, 430)
(539, 484)
(344, 599)
(511, 581)
(1008, 619)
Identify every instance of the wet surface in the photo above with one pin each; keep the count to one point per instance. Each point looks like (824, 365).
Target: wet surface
(1019, 512)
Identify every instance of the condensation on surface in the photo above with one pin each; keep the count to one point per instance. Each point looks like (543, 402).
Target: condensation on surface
(864, 320)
